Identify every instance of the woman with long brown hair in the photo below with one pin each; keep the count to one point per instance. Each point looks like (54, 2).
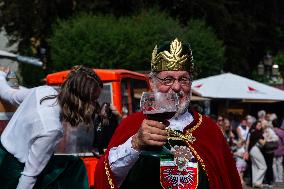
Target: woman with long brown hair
(29, 140)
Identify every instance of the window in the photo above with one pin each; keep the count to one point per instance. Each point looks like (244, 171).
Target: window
(106, 94)
(131, 90)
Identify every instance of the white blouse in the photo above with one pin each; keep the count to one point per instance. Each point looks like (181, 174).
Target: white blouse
(34, 130)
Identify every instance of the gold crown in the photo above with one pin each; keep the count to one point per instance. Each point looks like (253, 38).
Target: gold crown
(173, 60)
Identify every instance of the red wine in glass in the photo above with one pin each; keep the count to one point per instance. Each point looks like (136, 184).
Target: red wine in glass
(159, 107)
(161, 116)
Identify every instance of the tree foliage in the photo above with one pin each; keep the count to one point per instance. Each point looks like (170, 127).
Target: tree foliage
(23, 20)
(127, 42)
(208, 51)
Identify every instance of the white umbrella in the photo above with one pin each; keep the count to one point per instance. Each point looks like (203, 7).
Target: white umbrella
(19, 58)
(231, 86)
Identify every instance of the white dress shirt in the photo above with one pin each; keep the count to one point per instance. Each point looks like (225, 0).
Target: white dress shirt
(123, 157)
(34, 130)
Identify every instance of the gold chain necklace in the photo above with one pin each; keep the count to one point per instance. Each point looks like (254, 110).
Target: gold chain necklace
(188, 137)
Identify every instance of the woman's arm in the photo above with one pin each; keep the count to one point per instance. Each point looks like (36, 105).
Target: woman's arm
(39, 154)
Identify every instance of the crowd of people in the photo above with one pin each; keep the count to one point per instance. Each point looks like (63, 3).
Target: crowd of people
(258, 147)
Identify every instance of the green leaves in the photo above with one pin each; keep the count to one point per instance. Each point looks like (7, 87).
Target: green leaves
(127, 42)
(208, 51)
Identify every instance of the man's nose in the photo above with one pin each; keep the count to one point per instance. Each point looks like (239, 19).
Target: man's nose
(176, 87)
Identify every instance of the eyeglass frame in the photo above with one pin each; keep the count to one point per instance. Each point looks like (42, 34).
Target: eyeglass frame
(163, 80)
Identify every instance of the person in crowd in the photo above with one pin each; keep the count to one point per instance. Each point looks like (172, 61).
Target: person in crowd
(250, 120)
(261, 114)
(235, 119)
(282, 124)
(243, 130)
(279, 152)
(29, 140)
(272, 117)
(227, 131)
(239, 157)
(200, 155)
(105, 124)
(268, 152)
(258, 164)
(220, 121)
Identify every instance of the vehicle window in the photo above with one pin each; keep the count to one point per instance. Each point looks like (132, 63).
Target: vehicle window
(131, 90)
(106, 94)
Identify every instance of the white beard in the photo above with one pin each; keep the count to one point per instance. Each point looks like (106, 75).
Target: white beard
(183, 106)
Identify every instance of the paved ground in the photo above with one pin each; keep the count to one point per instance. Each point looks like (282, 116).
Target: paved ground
(275, 186)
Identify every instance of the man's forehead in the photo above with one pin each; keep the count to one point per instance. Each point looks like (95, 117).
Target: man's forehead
(173, 73)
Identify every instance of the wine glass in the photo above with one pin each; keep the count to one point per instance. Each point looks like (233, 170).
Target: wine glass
(159, 107)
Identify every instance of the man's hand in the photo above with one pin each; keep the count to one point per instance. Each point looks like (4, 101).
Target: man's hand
(151, 133)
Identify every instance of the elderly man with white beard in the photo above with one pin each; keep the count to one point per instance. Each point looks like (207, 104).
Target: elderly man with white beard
(200, 157)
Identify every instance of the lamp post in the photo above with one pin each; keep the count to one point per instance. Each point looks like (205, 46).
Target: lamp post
(260, 68)
(269, 70)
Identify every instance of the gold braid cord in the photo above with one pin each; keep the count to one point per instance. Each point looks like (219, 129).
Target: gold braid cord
(110, 182)
(200, 160)
(189, 139)
(171, 61)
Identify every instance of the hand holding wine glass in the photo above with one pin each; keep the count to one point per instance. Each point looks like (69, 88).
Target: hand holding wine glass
(158, 108)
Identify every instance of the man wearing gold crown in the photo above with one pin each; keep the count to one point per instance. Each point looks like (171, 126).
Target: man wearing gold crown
(201, 157)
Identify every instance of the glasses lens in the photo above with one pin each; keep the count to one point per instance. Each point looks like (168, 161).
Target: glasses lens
(184, 81)
(168, 81)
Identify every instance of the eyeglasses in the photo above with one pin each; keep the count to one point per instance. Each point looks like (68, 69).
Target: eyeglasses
(169, 81)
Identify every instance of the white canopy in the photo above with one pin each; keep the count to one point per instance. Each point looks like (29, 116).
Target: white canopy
(231, 86)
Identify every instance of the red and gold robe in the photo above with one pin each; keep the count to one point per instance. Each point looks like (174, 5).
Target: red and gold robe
(210, 150)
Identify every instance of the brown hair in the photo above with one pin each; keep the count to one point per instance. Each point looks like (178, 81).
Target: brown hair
(77, 96)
